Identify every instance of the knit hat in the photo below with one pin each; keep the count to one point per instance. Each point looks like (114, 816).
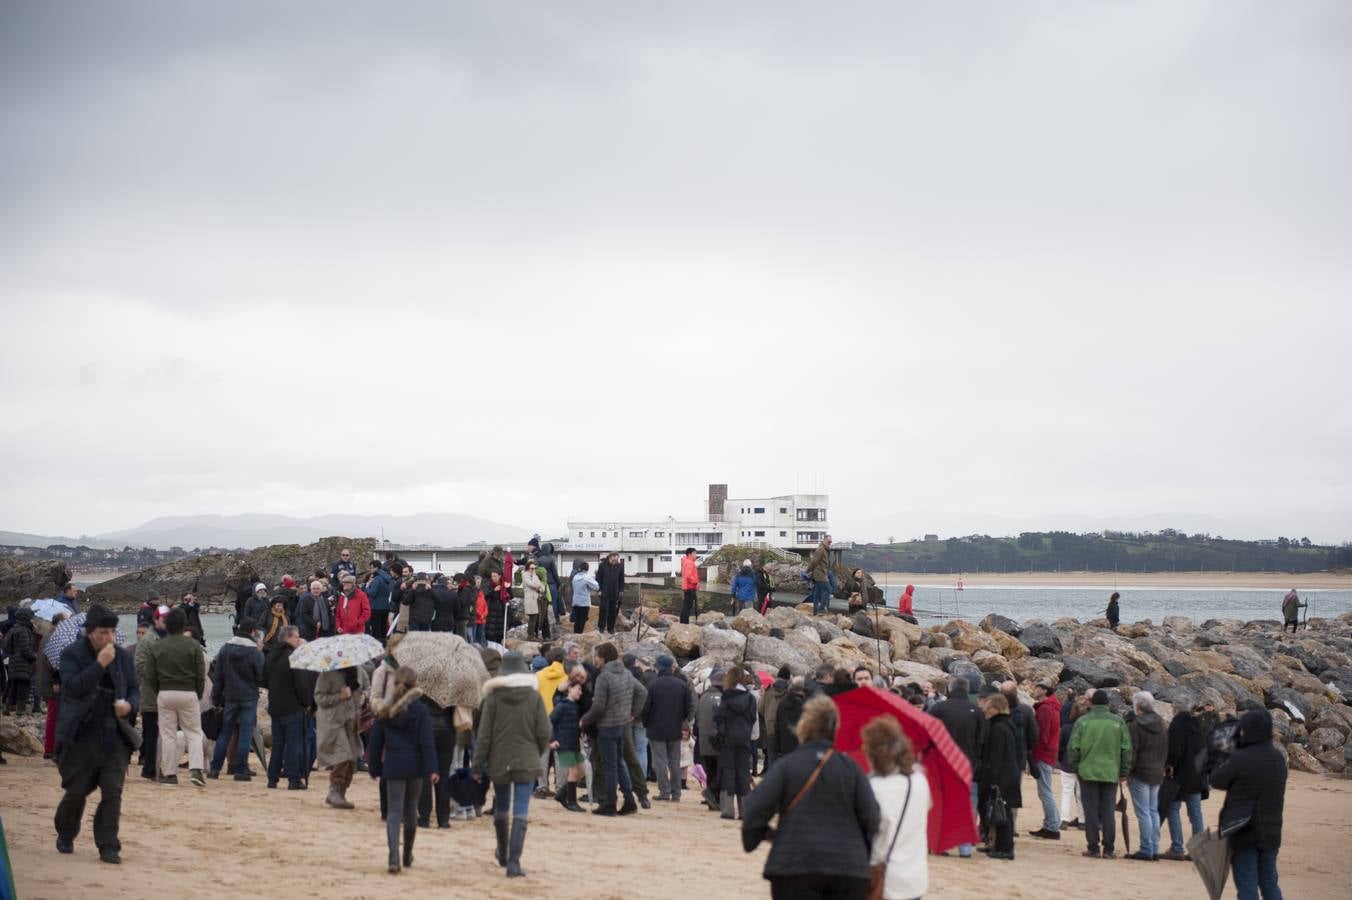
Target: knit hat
(288, 582)
(784, 672)
(99, 617)
(513, 663)
(628, 659)
(665, 663)
(1100, 697)
(260, 587)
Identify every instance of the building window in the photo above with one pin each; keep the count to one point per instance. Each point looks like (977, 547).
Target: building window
(783, 510)
(811, 514)
(783, 534)
(759, 534)
(809, 537)
(593, 534)
(759, 509)
(580, 535)
(658, 534)
(699, 538)
(636, 534)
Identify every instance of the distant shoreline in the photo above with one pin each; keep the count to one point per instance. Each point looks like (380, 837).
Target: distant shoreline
(1125, 580)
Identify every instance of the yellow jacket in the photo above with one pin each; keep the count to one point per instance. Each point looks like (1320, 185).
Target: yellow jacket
(550, 677)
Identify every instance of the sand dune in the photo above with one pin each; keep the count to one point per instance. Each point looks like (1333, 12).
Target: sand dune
(241, 840)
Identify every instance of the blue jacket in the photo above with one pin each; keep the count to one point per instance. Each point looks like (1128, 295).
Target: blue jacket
(402, 745)
(744, 585)
(378, 591)
(88, 690)
(566, 731)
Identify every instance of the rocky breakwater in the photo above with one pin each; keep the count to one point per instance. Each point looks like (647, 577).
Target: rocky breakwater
(20, 578)
(1305, 679)
(217, 578)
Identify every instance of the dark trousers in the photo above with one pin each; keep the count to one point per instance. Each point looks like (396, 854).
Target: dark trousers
(637, 776)
(711, 774)
(580, 614)
(378, 624)
(611, 739)
(288, 749)
(150, 744)
(84, 768)
(19, 689)
(734, 769)
(688, 605)
(610, 611)
(441, 791)
(1255, 871)
(818, 887)
(1293, 624)
(1099, 798)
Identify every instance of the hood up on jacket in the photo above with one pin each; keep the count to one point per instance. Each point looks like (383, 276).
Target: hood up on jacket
(503, 685)
(1255, 726)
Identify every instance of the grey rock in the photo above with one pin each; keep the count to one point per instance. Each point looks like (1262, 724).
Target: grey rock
(1090, 671)
(997, 622)
(1039, 639)
(774, 653)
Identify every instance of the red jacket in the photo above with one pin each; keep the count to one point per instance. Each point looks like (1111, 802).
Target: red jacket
(480, 609)
(353, 612)
(1048, 713)
(904, 603)
(689, 574)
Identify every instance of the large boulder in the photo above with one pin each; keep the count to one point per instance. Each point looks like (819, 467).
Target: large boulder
(997, 622)
(910, 671)
(722, 644)
(1334, 715)
(23, 579)
(776, 653)
(1040, 639)
(785, 617)
(1010, 648)
(992, 664)
(18, 741)
(969, 638)
(827, 631)
(872, 646)
(1293, 701)
(1340, 678)
(1307, 653)
(806, 643)
(1246, 661)
(1178, 623)
(843, 653)
(683, 640)
(1093, 673)
(1333, 760)
(1033, 670)
(710, 617)
(748, 622)
(1301, 760)
(1322, 739)
(698, 670)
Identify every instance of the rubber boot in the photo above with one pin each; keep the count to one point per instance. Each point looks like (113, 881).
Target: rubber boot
(562, 794)
(337, 800)
(726, 808)
(500, 826)
(518, 840)
(739, 806)
(572, 804)
(409, 835)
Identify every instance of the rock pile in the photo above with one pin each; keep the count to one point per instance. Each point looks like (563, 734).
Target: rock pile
(1305, 679)
(21, 578)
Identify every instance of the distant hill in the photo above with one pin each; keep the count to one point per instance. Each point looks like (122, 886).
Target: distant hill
(250, 530)
(22, 539)
(1107, 551)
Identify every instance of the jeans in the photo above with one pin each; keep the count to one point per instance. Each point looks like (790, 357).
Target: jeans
(640, 735)
(965, 850)
(611, 740)
(403, 794)
(85, 768)
(478, 634)
(513, 797)
(311, 745)
(288, 748)
(245, 714)
(667, 765)
(821, 597)
(1051, 816)
(1145, 802)
(1099, 798)
(1255, 871)
(378, 624)
(1195, 820)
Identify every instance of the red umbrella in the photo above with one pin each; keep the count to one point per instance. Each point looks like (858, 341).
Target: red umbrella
(951, 818)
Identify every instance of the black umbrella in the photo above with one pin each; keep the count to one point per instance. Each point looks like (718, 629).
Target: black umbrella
(1211, 855)
(1126, 832)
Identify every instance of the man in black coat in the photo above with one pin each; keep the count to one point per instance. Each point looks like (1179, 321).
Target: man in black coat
(194, 614)
(610, 575)
(669, 710)
(1187, 750)
(1254, 781)
(99, 696)
(967, 726)
(290, 693)
(443, 598)
(465, 595)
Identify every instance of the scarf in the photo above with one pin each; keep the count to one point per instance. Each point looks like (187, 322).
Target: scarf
(278, 620)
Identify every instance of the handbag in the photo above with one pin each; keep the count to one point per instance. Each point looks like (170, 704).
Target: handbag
(129, 734)
(366, 717)
(213, 720)
(877, 875)
(1168, 794)
(997, 811)
(807, 785)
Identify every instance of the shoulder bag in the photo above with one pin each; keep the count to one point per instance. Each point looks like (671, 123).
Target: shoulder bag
(877, 875)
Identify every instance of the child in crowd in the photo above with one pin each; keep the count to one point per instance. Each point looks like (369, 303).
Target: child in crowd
(687, 756)
(566, 740)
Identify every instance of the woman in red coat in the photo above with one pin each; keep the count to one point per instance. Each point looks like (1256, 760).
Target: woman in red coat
(905, 605)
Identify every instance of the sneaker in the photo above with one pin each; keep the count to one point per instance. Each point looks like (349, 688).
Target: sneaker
(295, 786)
(1092, 854)
(1045, 834)
(169, 779)
(1176, 855)
(200, 779)
(1138, 855)
(245, 776)
(1109, 854)
(63, 846)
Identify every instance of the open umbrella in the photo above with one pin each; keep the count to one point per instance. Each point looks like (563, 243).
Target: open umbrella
(1211, 856)
(951, 818)
(49, 608)
(342, 651)
(450, 671)
(65, 634)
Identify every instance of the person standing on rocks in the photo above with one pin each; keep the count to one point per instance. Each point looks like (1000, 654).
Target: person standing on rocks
(1047, 712)
(967, 726)
(1100, 754)
(176, 672)
(819, 570)
(1113, 613)
(689, 586)
(99, 697)
(344, 566)
(1187, 744)
(514, 731)
(610, 575)
(744, 587)
(1291, 607)
(583, 586)
(1149, 752)
(1254, 781)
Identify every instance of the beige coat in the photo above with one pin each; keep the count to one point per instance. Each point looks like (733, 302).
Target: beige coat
(336, 720)
(382, 686)
(532, 588)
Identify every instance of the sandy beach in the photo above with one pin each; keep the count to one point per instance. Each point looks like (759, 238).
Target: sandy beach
(241, 840)
(1336, 581)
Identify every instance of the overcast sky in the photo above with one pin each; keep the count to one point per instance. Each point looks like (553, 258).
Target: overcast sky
(966, 267)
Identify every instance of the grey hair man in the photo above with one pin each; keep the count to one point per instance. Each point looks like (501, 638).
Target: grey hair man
(1149, 751)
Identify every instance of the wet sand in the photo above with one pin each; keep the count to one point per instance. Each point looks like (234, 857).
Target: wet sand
(240, 840)
(1335, 581)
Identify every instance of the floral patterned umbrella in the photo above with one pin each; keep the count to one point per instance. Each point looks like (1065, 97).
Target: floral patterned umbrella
(342, 651)
(68, 632)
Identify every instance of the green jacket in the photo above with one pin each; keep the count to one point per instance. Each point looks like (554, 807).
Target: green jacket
(176, 663)
(1100, 746)
(140, 660)
(514, 729)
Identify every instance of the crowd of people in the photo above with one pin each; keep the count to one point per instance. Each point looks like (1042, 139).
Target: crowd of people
(599, 728)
